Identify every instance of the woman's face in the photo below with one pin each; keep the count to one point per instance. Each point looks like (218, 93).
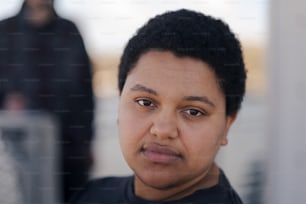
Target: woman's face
(172, 120)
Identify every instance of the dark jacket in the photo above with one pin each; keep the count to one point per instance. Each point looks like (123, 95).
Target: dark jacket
(121, 190)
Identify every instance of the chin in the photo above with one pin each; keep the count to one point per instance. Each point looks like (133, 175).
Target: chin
(159, 180)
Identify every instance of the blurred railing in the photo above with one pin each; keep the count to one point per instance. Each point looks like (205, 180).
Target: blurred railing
(29, 141)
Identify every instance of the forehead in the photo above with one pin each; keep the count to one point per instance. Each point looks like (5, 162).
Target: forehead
(165, 62)
(165, 71)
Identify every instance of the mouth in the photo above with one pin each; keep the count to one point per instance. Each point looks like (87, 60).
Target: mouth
(160, 154)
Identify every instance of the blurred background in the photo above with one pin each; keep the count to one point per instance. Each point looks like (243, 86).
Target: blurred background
(106, 25)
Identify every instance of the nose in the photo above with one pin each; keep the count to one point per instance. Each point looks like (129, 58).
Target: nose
(164, 125)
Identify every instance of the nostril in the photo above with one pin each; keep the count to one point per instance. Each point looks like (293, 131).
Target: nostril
(164, 130)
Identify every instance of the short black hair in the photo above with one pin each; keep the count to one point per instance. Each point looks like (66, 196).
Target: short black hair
(187, 33)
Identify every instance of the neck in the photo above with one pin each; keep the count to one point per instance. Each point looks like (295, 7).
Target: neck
(206, 180)
(38, 16)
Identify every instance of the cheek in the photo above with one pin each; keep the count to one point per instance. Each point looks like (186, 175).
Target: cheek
(203, 140)
(202, 153)
(131, 126)
(127, 139)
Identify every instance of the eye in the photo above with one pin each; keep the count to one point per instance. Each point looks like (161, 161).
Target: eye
(145, 102)
(194, 112)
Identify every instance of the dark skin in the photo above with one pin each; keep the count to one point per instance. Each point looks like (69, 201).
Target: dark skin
(172, 122)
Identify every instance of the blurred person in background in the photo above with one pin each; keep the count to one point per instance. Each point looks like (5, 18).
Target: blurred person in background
(44, 67)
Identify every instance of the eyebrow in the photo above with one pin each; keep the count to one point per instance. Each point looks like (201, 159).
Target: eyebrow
(139, 87)
(202, 99)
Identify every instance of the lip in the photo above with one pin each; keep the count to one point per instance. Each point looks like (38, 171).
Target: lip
(161, 154)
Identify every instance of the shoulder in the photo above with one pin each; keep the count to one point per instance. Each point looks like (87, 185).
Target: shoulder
(69, 32)
(66, 24)
(229, 193)
(105, 190)
(220, 193)
(7, 23)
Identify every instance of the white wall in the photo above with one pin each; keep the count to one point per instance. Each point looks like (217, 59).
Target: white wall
(286, 162)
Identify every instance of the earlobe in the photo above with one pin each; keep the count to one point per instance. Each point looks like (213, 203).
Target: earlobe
(224, 141)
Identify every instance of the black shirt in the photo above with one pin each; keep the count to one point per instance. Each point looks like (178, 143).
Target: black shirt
(120, 190)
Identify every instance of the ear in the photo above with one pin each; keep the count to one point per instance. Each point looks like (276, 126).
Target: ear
(228, 123)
